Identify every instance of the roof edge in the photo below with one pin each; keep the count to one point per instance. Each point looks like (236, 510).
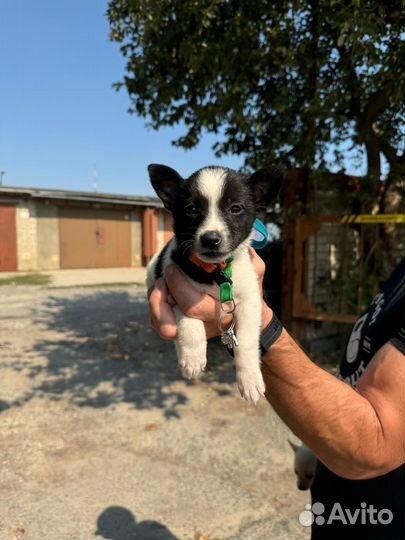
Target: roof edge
(83, 196)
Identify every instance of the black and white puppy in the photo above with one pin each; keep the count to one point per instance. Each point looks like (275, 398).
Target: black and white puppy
(213, 214)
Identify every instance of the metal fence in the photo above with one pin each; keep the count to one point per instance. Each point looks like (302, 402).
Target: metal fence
(339, 264)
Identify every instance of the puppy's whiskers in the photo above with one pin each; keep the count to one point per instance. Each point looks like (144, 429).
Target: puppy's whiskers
(186, 247)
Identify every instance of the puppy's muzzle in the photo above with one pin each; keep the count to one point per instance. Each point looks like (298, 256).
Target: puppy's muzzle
(211, 240)
(303, 485)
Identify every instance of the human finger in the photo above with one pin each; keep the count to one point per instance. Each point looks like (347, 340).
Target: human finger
(191, 301)
(163, 319)
(258, 264)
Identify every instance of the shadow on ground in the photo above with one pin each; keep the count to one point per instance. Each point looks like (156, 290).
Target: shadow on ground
(97, 349)
(118, 523)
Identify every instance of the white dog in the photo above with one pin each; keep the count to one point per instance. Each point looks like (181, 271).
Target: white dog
(305, 465)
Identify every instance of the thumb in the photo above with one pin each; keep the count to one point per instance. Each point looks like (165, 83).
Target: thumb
(190, 300)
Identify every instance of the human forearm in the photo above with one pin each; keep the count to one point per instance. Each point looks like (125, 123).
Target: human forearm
(357, 434)
(337, 422)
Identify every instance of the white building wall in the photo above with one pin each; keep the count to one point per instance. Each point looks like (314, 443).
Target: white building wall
(161, 230)
(27, 236)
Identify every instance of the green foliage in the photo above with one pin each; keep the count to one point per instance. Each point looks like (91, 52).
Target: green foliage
(26, 279)
(280, 80)
(347, 282)
(350, 292)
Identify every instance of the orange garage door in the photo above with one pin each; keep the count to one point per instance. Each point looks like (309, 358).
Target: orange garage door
(94, 238)
(8, 239)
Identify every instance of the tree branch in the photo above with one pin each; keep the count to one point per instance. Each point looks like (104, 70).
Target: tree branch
(377, 102)
(390, 154)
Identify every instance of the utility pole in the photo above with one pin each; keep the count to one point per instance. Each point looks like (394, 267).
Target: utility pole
(2, 173)
(95, 181)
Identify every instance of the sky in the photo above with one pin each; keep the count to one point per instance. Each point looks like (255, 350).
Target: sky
(60, 116)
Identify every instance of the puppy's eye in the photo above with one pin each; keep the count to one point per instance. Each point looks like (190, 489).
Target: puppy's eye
(191, 210)
(237, 209)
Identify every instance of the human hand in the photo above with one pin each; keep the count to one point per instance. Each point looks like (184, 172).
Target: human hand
(177, 289)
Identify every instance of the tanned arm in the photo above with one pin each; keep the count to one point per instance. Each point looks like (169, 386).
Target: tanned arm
(358, 434)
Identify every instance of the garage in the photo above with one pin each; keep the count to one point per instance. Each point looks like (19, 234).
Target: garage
(8, 239)
(94, 237)
(49, 229)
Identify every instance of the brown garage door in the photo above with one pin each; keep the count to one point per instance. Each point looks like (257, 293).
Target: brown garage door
(94, 238)
(8, 239)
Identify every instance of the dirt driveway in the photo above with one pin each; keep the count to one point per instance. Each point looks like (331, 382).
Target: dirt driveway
(100, 437)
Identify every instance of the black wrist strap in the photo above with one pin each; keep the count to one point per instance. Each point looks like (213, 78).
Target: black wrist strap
(270, 334)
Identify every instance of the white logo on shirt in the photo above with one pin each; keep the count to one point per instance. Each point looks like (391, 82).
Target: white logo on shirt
(354, 342)
(378, 303)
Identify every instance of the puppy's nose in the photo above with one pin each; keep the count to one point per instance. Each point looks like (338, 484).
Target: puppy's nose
(210, 239)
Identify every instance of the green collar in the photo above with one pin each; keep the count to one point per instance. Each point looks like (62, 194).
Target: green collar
(222, 275)
(226, 283)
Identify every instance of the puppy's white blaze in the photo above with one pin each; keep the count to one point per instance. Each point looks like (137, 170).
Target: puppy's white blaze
(210, 184)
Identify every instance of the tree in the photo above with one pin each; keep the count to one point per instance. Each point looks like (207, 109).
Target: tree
(281, 80)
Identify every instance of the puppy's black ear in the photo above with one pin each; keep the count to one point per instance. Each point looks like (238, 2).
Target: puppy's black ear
(266, 184)
(165, 182)
(293, 446)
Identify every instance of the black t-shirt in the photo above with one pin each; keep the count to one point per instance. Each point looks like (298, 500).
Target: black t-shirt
(379, 498)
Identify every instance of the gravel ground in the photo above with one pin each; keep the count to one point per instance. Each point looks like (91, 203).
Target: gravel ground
(100, 437)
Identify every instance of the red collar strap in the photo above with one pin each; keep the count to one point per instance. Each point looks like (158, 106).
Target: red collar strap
(208, 267)
(222, 275)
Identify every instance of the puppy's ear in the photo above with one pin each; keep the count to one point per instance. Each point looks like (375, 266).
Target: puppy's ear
(266, 184)
(293, 446)
(165, 182)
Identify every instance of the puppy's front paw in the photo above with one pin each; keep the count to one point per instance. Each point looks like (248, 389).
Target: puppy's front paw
(192, 362)
(251, 385)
